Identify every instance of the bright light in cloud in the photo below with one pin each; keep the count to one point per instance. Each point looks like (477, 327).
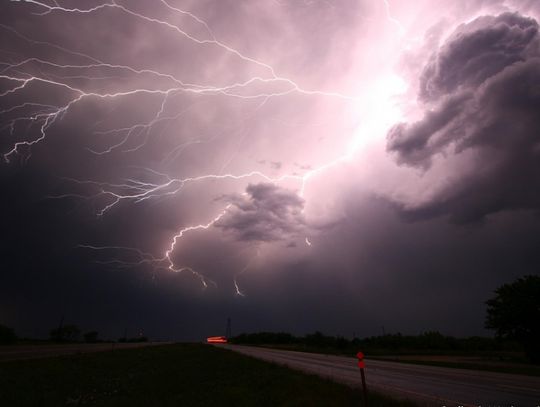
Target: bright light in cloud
(379, 111)
(237, 127)
(373, 107)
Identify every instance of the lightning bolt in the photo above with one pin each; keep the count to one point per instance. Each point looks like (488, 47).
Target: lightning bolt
(400, 27)
(25, 73)
(239, 292)
(233, 90)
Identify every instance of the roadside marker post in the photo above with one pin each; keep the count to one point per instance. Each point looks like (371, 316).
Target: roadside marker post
(361, 366)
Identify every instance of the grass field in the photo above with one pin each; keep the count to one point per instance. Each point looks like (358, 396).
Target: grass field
(470, 363)
(171, 375)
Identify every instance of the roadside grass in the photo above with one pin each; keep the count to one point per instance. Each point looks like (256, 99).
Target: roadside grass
(502, 362)
(169, 375)
(528, 370)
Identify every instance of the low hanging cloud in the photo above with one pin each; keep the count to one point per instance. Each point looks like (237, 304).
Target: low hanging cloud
(264, 213)
(481, 95)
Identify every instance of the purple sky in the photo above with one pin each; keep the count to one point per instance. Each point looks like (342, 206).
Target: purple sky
(331, 165)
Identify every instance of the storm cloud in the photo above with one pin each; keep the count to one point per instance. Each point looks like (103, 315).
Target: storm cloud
(289, 164)
(265, 213)
(481, 96)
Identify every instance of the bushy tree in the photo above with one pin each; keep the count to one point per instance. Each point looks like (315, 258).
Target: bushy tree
(514, 313)
(65, 333)
(91, 337)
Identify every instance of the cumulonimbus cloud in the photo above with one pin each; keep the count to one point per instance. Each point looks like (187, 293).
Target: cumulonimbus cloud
(266, 212)
(481, 94)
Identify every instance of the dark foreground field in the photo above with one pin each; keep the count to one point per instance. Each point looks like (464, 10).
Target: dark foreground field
(170, 375)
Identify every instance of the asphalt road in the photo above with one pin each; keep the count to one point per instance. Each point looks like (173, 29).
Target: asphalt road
(20, 352)
(429, 385)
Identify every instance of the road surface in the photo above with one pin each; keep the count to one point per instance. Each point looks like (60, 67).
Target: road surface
(429, 385)
(20, 352)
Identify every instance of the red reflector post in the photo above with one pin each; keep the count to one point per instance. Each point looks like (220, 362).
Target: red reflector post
(361, 366)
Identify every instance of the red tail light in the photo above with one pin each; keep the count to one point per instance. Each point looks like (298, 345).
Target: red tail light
(216, 339)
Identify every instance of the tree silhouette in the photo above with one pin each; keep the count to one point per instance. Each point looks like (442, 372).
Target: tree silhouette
(65, 333)
(91, 337)
(514, 313)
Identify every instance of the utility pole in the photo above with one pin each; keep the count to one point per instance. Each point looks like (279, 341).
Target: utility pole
(59, 329)
(228, 332)
(61, 324)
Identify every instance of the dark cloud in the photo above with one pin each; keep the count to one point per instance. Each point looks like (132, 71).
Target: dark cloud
(417, 142)
(482, 97)
(44, 273)
(363, 266)
(478, 50)
(266, 212)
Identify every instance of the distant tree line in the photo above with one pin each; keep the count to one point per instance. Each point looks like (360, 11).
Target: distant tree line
(134, 339)
(65, 333)
(428, 341)
(72, 333)
(513, 313)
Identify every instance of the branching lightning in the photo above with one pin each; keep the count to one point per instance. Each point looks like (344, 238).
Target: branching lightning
(20, 75)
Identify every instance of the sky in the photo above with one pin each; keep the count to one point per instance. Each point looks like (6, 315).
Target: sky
(347, 166)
